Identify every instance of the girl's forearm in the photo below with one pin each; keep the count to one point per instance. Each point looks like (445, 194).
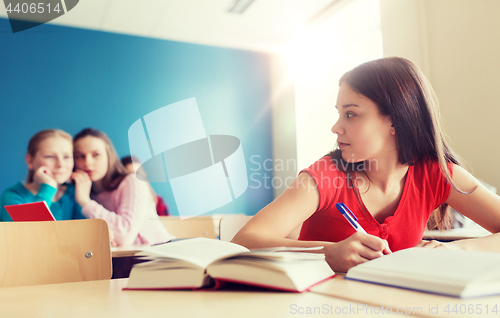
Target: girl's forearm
(490, 243)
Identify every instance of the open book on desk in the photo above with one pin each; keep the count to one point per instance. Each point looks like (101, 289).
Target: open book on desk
(205, 263)
(454, 273)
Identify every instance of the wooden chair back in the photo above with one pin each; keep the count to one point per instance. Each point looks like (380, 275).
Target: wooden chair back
(230, 225)
(33, 253)
(198, 226)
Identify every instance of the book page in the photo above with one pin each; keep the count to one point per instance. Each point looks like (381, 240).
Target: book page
(457, 266)
(279, 255)
(295, 274)
(199, 251)
(288, 249)
(440, 271)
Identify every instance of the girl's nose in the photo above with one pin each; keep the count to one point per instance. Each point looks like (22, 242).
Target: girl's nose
(337, 129)
(58, 162)
(87, 161)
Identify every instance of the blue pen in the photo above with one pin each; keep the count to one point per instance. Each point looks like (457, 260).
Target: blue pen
(350, 217)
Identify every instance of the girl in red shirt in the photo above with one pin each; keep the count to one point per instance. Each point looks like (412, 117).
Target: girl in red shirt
(392, 168)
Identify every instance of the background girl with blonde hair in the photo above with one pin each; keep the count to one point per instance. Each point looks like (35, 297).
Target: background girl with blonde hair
(50, 163)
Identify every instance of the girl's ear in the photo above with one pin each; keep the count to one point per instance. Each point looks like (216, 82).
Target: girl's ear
(29, 161)
(393, 131)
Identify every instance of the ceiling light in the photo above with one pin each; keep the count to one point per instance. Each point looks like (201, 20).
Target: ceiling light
(328, 11)
(240, 6)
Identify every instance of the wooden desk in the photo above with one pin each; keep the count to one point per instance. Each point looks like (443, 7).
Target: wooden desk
(107, 299)
(413, 302)
(126, 251)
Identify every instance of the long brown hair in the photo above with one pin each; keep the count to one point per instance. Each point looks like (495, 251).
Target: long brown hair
(34, 144)
(400, 90)
(116, 171)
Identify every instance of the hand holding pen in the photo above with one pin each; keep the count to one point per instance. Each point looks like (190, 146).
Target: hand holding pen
(353, 220)
(358, 248)
(350, 217)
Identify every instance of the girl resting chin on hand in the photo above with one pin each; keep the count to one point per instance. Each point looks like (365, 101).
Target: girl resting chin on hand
(105, 190)
(50, 163)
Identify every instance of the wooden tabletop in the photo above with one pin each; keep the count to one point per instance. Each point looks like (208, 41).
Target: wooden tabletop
(107, 299)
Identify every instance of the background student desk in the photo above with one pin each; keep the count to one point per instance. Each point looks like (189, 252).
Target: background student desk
(106, 298)
(200, 226)
(126, 251)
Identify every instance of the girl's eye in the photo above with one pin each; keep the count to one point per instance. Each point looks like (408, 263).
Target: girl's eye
(349, 114)
(96, 155)
(49, 157)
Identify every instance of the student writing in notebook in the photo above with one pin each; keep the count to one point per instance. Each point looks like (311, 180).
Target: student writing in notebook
(50, 163)
(391, 167)
(105, 190)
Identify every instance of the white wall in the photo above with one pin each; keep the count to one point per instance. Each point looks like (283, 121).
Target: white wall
(457, 44)
(404, 31)
(305, 84)
(350, 37)
(284, 129)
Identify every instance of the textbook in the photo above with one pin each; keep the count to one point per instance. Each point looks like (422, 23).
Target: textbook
(456, 273)
(28, 212)
(209, 263)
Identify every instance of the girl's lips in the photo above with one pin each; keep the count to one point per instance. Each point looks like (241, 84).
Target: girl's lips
(60, 174)
(342, 145)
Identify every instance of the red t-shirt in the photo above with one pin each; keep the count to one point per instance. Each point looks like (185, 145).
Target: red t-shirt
(425, 189)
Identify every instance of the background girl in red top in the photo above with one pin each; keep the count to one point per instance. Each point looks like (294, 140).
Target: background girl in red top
(392, 168)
